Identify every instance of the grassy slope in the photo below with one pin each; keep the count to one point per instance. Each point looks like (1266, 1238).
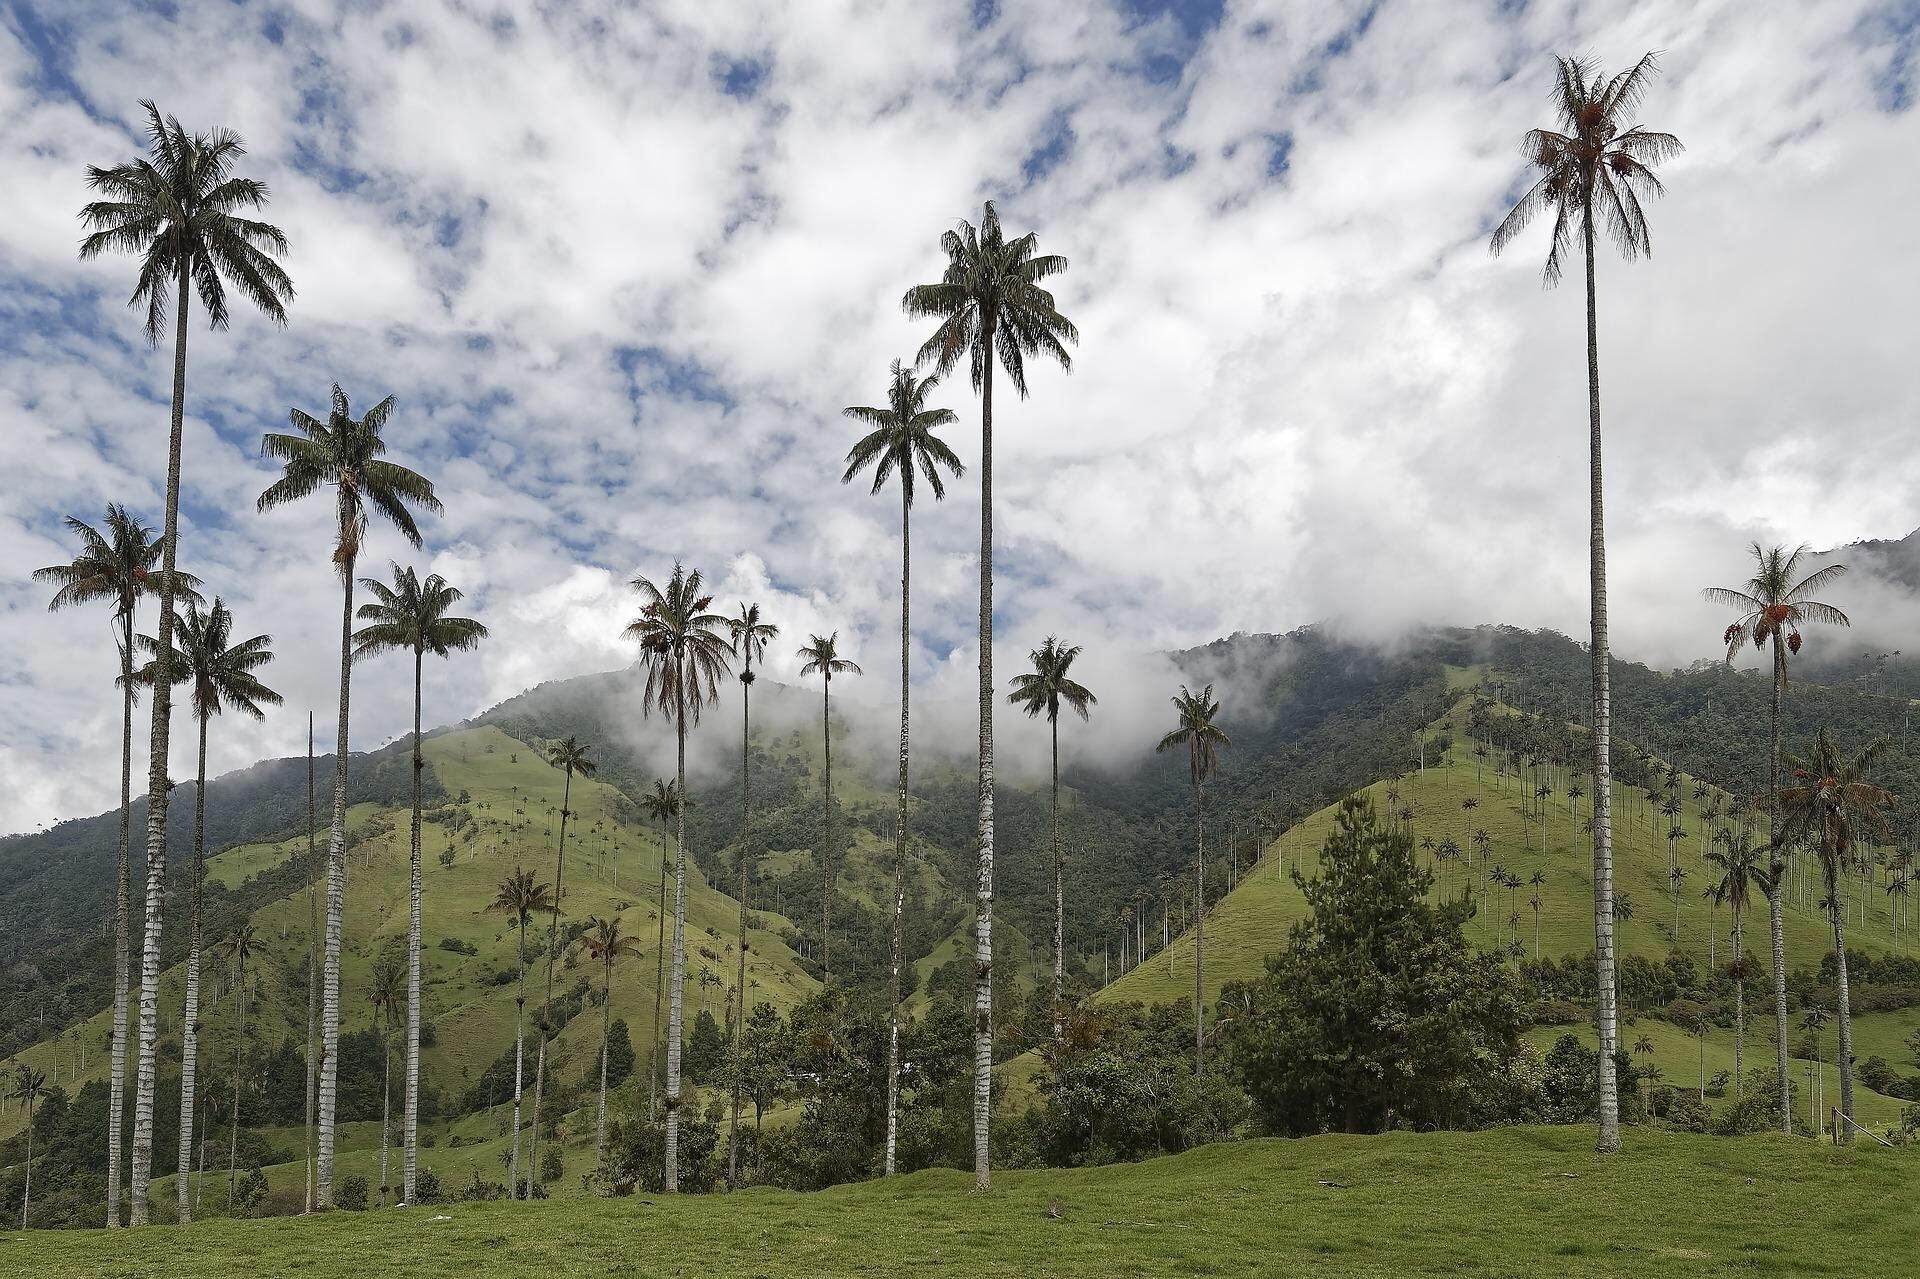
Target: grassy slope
(514, 801)
(1511, 1202)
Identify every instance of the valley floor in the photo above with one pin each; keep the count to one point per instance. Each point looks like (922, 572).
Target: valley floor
(1515, 1202)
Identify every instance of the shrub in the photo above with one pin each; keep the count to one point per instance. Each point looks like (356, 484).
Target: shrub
(427, 1188)
(1687, 1113)
(250, 1194)
(552, 1166)
(478, 1191)
(1878, 1075)
(458, 946)
(351, 1194)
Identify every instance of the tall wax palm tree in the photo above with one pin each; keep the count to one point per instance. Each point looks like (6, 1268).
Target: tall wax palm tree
(902, 442)
(606, 943)
(749, 636)
(29, 1085)
(661, 804)
(1832, 805)
(342, 453)
(990, 304)
(521, 898)
(571, 757)
(1204, 741)
(221, 671)
(1770, 609)
(1741, 871)
(1042, 691)
(312, 873)
(237, 950)
(117, 565)
(386, 993)
(821, 656)
(682, 648)
(182, 210)
(1595, 170)
(411, 616)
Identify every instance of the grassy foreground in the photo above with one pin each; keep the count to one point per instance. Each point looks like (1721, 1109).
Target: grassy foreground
(1514, 1202)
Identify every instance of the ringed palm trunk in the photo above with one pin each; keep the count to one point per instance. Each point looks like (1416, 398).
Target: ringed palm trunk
(675, 998)
(190, 1023)
(1776, 904)
(659, 992)
(410, 1122)
(740, 972)
(899, 842)
(519, 1058)
(157, 742)
(1739, 1007)
(606, 1040)
(233, 1123)
(1059, 873)
(826, 836)
(117, 1070)
(313, 972)
(983, 884)
(1200, 937)
(336, 904)
(386, 1099)
(1609, 1137)
(1836, 911)
(546, 1002)
(26, 1192)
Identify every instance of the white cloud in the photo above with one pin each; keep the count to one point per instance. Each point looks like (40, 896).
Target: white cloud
(621, 308)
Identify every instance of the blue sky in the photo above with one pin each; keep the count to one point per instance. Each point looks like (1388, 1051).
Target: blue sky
(623, 265)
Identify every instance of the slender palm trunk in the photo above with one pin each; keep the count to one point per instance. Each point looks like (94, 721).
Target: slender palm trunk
(546, 1001)
(740, 970)
(386, 1099)
(233, 1123)
(190, 1022)
(410, 1122)
(675, 999)
(1059, 874)
(899, 839)
(26, 1191)
(1836, 911)
(826, 834)
(1609, 1138)
(157, 786)
(983, 885)
(519, 1059)
(117, 1070)
(313, 969)
(336, 905)
(1739, 1007)
(1200, 935)
(1776, 906)
(606, 1040)
(659, 992)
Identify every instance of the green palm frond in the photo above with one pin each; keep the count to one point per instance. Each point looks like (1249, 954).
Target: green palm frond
(1594, 171)
(411, 616)
(682, 647)
(821, 655)
(180, 209)
(750, 637)
(1043, 690)
(1196, 730)
(220, 669)
(903, 438)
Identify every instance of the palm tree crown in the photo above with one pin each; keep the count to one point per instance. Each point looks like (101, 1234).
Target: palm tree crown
(220, 669)
(662, 803)
(681, 645)
(606, 942)
(1772, 602)
(344, 452)
(902, 438)
(990, 301)
(1596, 169)
(1047, 686)
(411, 616)
(571, 756)
(520, 897)
(1203, 739)
(750, 637)
(822, 657)
(117, 565)
(1834, 804)
(180, 209)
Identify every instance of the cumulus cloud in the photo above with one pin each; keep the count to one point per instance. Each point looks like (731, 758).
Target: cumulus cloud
(623, 266)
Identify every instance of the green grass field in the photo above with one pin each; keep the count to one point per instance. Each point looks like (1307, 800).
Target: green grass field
(1514, 1202)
